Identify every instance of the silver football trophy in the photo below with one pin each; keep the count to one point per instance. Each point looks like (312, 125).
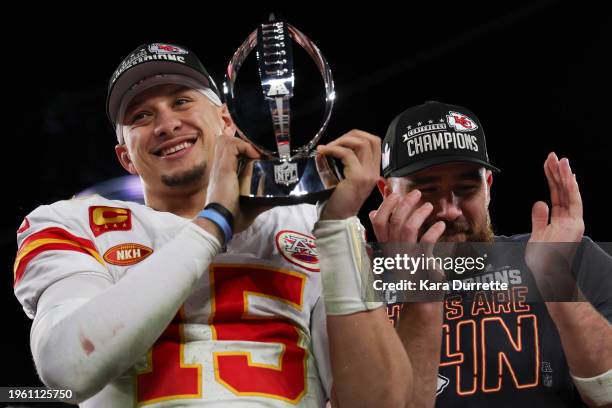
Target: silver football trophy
(288, 173)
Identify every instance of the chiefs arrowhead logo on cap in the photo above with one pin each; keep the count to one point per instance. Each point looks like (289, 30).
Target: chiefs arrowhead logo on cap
(299, 249)
(461, 122)
(127, 254)
(106, 219)
(158, 48)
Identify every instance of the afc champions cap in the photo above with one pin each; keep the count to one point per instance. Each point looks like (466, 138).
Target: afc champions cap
(157, 63)
(433, 133)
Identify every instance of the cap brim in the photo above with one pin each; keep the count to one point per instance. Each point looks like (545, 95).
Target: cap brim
(145, 70)
(433, 161)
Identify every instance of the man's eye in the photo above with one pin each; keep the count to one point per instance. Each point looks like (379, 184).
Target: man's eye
(182, 101)
(466, 189)
(138, 117)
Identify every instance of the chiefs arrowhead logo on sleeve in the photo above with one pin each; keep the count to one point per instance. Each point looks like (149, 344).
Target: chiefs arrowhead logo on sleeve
(299, 249)
(107, 219)
(127, 254)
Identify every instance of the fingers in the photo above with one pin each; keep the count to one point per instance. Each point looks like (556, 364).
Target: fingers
(410, 228)
(400, 225)
(229, 148)
(344, 154)
(372, 215)
(223, 183)
(365, 146)
(539, 218)
(246, 149)
(351, 141)
(552, 162)
(558, 198)
(433, 234)
(574, 200)
(360, 154)
(400, 219)
(561, 186)
(358, 138)
(380, 217)
(549, 166)
(565, 194)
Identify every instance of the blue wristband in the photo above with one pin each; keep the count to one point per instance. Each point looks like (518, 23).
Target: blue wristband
(217, 218)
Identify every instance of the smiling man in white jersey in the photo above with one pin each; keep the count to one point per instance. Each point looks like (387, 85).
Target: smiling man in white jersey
(191, 300)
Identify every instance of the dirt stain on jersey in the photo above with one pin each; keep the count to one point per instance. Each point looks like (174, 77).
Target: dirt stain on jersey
(86, 344)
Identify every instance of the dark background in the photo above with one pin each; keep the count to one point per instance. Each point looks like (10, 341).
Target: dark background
(533, 72)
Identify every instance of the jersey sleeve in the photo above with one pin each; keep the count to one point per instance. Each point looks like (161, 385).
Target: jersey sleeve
(320, 345)
(52, 245)
(594, 270)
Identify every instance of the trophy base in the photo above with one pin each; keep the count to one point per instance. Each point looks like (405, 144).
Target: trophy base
(273, 182)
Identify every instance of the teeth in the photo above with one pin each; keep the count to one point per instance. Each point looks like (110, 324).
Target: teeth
(176, 148)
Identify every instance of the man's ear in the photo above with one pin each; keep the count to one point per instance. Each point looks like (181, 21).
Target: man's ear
(489, 181)
(383, 188)
(124, 158)
(228, 122)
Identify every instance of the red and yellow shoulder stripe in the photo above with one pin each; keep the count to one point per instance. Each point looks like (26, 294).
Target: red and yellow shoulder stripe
(52, 238)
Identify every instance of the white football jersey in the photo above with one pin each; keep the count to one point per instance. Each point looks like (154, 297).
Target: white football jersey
(244, 336)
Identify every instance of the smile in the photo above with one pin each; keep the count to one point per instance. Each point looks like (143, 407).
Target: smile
(175, 150)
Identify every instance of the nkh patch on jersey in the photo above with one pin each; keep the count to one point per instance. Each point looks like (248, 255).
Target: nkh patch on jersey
(299, 249)
(106, 219)
(127, 254)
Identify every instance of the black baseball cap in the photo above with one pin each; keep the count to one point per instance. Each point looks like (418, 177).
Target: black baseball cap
(430, 134)
(149, 60)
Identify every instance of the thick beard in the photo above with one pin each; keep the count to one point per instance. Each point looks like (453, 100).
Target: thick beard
(482, 232)
(186, 178)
